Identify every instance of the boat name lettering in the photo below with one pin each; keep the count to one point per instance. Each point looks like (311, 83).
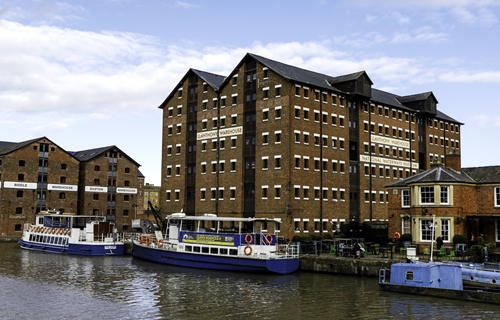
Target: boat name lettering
(109, 247)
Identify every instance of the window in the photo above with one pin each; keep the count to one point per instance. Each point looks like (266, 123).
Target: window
(22, 163)
(265, 138)
(97, 168)
(405, 198)
(62, 195)
(444, 195)
(265, 163)
(426, 230)
(278, 113)
(62, 179)
(497, 197)
(264, 192)
(277, 192)
(265, 114)
(277, 162)
(445, 230)
(427, 195)
(19, 193)
(277, 90)
(19, 210)
(277, 136)
(20, 177)
(406, 226)
(95, 196)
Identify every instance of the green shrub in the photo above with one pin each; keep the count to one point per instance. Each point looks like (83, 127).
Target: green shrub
(316, 237)
(476, 251)
(297, 239)
(459, 238)
(327, 236)
(491, 246)
(405, 237)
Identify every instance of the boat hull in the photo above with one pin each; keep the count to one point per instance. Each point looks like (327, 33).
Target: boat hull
(205, 261)
(83, 249)
(467, 295)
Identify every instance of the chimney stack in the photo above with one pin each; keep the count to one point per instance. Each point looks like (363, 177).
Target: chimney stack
(453, 160)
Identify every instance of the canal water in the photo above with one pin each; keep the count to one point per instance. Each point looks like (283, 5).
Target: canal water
(35, 285)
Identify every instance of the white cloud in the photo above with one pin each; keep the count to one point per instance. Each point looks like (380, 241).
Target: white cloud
(471, 77)
(482, 16)
(486, 121)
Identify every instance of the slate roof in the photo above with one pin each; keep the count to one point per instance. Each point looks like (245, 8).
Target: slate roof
(490, 174)
(86, 155)
(213, 80)
(348, 77)
(439, 173)
(387, 99)
(295, 74)
(308, 77)
(7, 147)
(417, 97)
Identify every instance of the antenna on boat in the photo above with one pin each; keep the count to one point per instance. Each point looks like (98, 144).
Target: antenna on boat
(432, 238)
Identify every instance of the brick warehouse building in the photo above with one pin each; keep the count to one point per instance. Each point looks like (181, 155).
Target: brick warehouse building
(274, 140)
(38, 175)
(463, 201)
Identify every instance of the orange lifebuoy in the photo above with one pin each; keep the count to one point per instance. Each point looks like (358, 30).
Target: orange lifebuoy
(141, 239)
(160, 243)
(268, 238)
(148, 241)
(397, 235)
(248, 238)
(247, 250)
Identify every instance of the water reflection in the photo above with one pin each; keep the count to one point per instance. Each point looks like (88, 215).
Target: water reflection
(39, 285)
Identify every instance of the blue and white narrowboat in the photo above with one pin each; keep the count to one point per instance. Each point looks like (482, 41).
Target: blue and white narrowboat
(433, 279)
(220, 243)
(72, 234)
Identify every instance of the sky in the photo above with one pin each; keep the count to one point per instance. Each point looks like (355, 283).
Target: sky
(89, 74)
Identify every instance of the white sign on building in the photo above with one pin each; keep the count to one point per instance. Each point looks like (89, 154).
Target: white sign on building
(233, 131)
(19, 185)
(126, 190)
(62, 187)
(96, 189)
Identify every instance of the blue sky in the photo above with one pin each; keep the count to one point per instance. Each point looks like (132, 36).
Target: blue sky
(89, 74)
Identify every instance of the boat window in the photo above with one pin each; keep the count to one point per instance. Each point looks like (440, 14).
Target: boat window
(44, 239)
(196, 249)
(188, 248)
(223, 251)
(409, 275)
(233, 252)
(204, 249)
(214, 250)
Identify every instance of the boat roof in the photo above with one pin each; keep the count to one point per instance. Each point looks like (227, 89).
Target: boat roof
(216, 218)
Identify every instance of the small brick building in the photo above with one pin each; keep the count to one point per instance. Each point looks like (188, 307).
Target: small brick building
(463, 201)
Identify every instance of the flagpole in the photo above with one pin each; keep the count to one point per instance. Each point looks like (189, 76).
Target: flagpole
(432, 240)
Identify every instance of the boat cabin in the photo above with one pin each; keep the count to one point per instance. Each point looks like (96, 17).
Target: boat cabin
(427, 275)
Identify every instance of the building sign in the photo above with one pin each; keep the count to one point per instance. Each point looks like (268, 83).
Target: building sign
(220, 240)
(96, 189)
(19, 185)
(390, 141)
(233, 131)
(62, 187)
(388, 161)
(126, 190)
